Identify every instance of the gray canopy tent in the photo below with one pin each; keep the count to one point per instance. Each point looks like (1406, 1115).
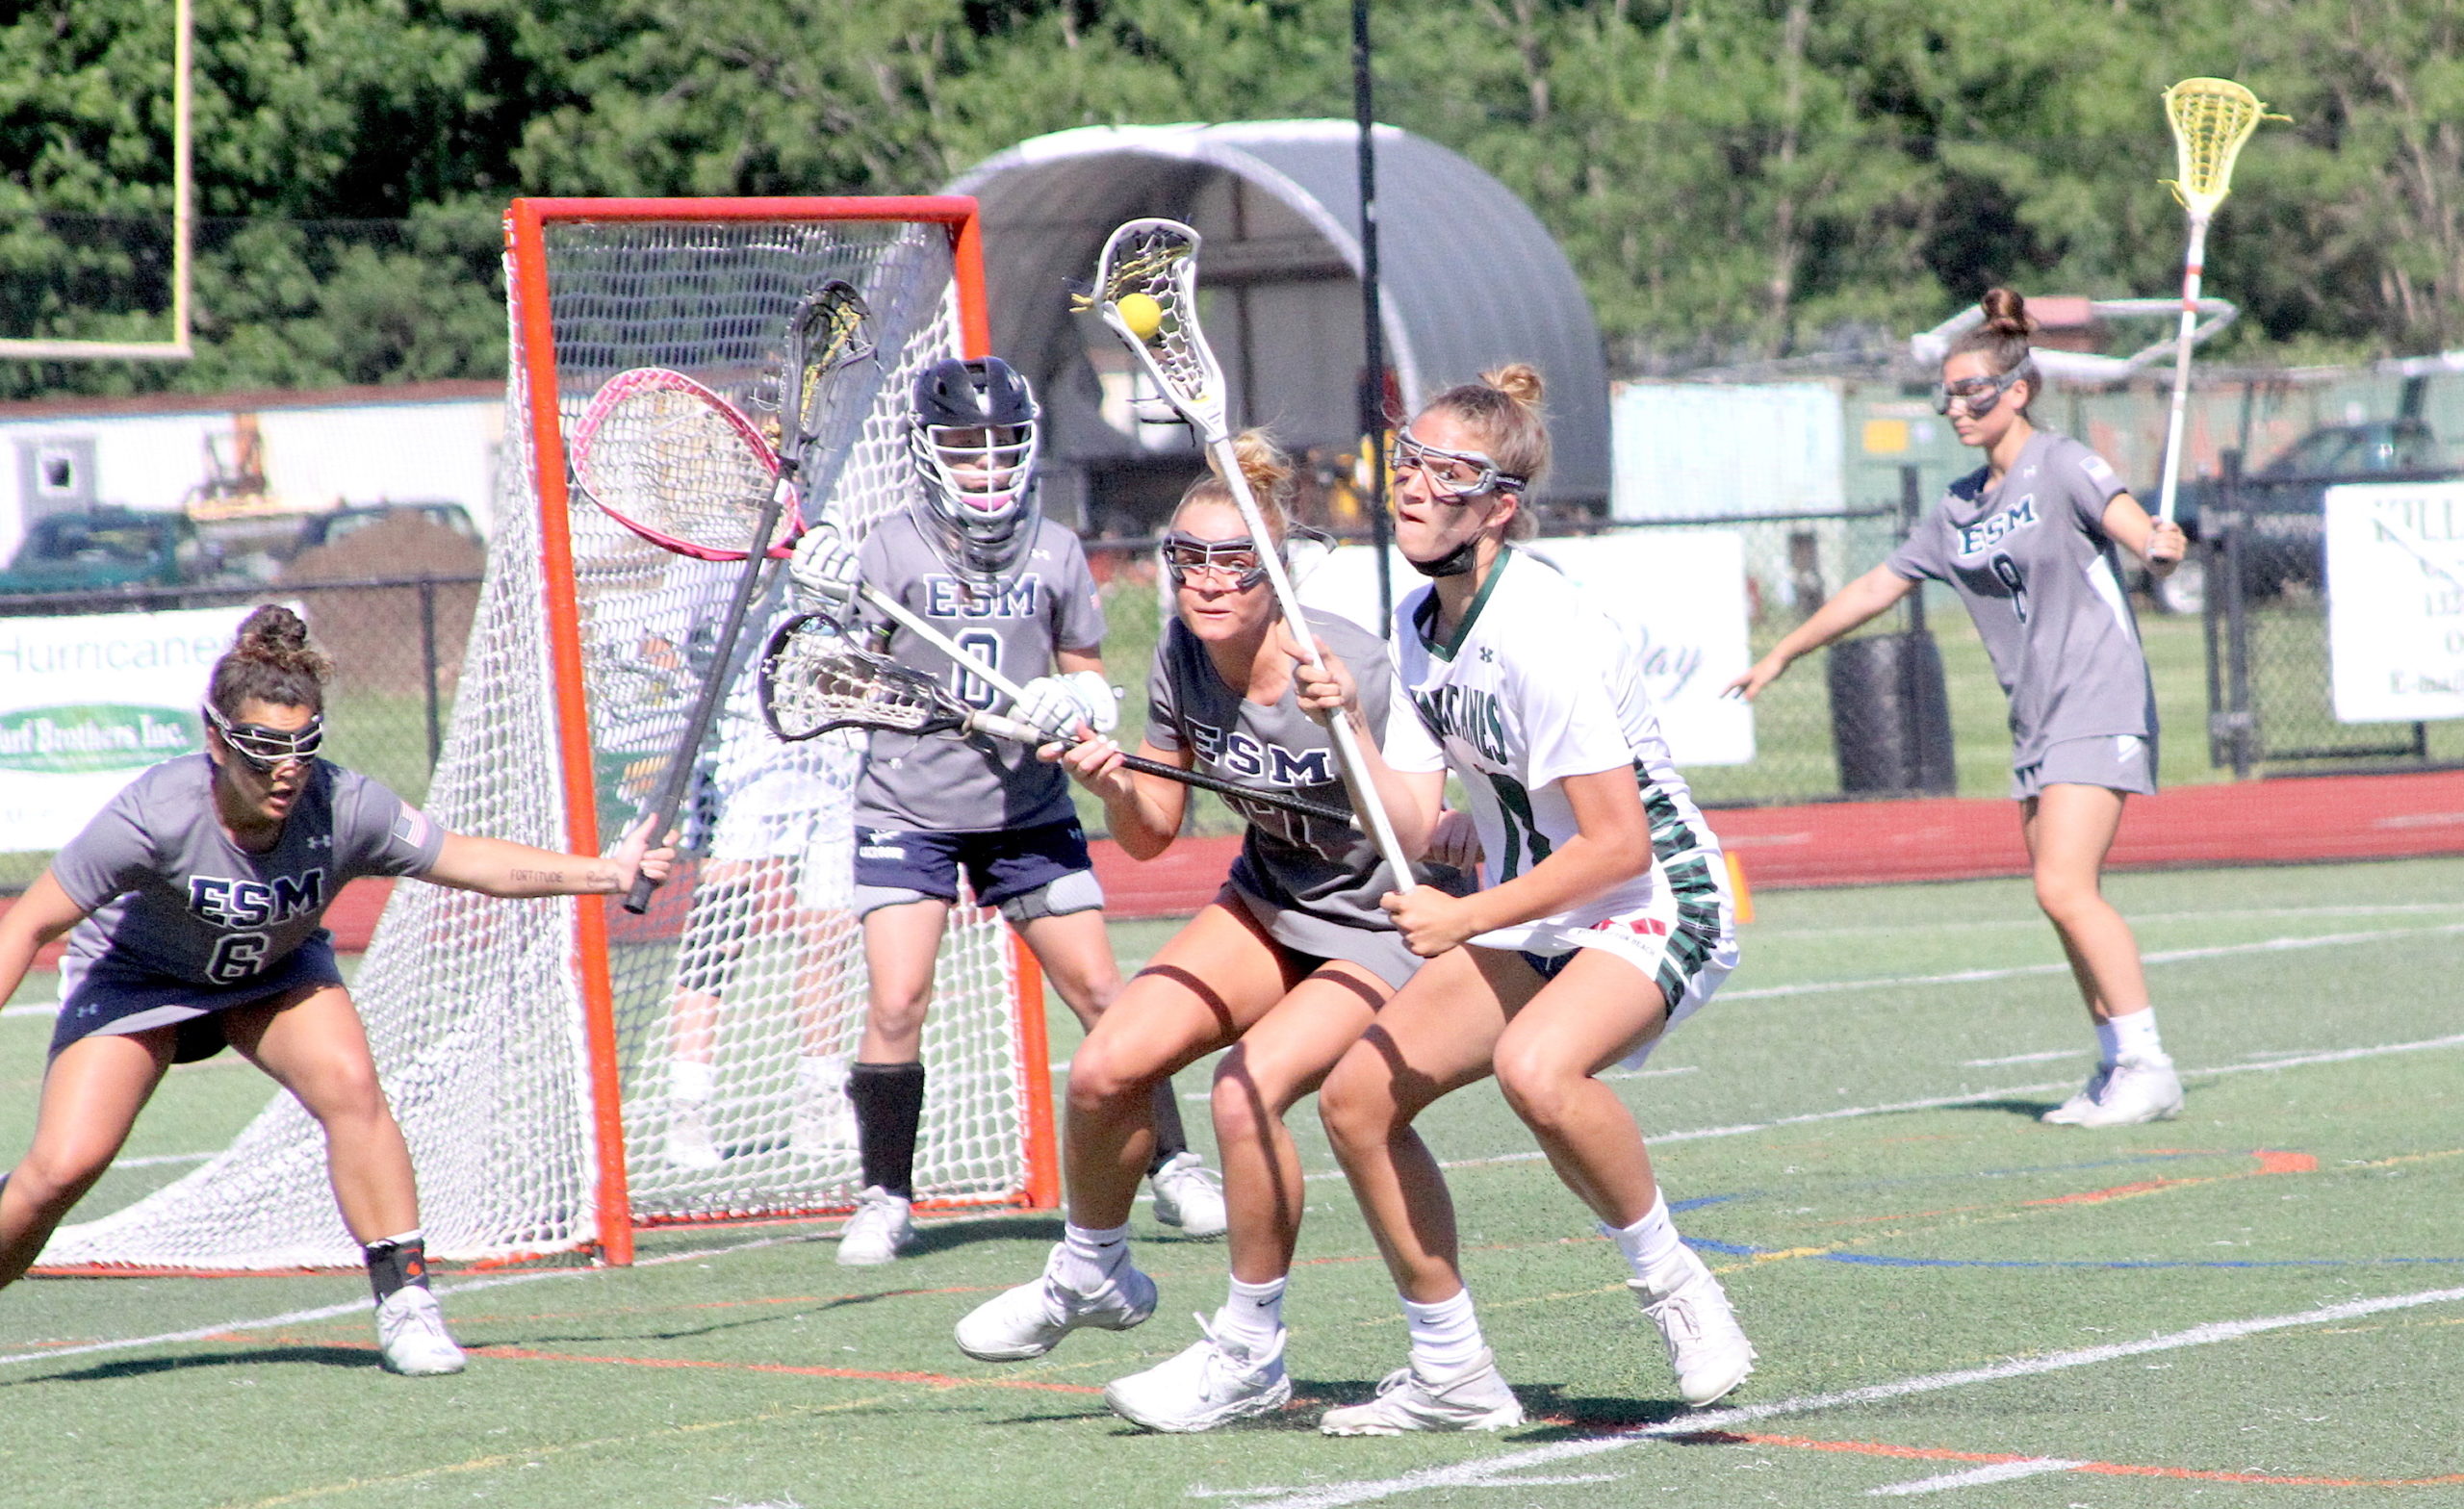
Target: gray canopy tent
(1469, 278)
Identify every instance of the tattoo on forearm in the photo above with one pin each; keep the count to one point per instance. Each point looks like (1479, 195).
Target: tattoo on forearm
(539, 878)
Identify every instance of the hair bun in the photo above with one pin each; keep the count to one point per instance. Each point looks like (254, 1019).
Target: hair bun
(1263, 463)
(2006, 312)
(1518, 380)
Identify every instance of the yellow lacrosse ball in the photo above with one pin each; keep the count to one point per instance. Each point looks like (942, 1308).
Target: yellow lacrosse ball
(1140, 314)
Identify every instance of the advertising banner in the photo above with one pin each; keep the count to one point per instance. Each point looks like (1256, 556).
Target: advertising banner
(2396, 600)
(88, 701)
(1679, 594)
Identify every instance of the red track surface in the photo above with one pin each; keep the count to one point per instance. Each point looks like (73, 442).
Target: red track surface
(2289, 820)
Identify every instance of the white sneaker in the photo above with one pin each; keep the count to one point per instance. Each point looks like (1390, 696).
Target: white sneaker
(1190, 1196)
(1030, 1320)
(1210, 1383)
(2068, 1112)
(688, 1144)
(1691, 1311)
(882, 1227)
(1474, 1398)
(2138, 1091)
(411, 1337)
(823, 1123)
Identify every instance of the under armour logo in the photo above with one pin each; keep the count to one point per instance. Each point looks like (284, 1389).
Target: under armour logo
(1039, 555)
(322, 841)
(1488, 654)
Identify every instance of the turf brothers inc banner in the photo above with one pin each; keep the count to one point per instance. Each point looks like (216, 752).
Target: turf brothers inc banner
(2396, 600)
(87, 702)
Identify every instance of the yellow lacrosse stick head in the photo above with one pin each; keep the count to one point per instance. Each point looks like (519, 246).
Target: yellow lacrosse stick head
(2211, 120)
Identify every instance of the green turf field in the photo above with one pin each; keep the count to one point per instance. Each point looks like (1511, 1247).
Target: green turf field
(2260, 1304)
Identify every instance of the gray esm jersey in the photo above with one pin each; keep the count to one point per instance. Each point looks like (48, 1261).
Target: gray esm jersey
(1328, 870)
(1044, 603)
(169, 894)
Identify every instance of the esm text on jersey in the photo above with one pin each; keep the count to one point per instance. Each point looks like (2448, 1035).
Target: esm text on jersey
(1236, 753)
(953, 597)
(219, 901)
(1987, 533)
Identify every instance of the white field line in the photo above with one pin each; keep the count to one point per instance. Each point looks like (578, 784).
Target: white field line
(1493, 1471)
(1993, 1473)
(2022, 1057)
(207, 1333)
(2176, 955)
(1966, 1098)
(2137, 919)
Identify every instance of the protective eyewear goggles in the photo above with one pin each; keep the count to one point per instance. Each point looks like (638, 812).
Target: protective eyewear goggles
(1978, 396)
(268, 750)
(1453, 477)
(1186, 555)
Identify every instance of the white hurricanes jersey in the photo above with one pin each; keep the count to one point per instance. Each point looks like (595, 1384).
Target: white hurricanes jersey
(1533, 686)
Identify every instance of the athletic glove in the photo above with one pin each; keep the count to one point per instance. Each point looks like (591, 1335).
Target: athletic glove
(823, 570)
(1059, 704)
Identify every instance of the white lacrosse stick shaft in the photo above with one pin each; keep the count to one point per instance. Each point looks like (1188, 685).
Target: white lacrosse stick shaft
(908, 620)
(2191, 269)
(1201, 401)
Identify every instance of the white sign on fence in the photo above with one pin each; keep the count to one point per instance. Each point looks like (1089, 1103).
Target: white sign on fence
(88, 701)
(1680, 594)
(2396, 600)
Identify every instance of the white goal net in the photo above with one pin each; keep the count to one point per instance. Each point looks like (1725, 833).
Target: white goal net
(532, 1050)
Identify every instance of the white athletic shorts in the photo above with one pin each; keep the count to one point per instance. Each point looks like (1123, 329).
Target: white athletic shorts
(1684, 939)
(772, 797)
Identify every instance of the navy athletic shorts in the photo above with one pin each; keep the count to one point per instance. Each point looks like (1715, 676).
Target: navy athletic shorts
(102, 996)
(1000, 864)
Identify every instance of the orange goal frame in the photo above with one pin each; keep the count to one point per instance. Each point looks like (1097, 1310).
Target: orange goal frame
(525, 225)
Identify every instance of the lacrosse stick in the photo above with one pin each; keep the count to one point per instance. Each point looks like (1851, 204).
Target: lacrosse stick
(2211, 118)
(1153, 265)
(813, 680)
(677, 464)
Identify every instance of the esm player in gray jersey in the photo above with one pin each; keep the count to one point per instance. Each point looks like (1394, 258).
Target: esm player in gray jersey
(2028, 543)
(1285, 967)
(975, 558)
(194, 898)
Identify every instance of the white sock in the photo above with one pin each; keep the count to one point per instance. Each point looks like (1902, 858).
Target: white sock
(692, 1081)
(820, 1073)
(1649, 1242)
(1251, 1314)
(1089, 1259)
(1445, 1336)
(2133, 1036)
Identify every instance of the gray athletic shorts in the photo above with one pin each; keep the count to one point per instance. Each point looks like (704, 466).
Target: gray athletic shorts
(2115, 761)
(1379, 952)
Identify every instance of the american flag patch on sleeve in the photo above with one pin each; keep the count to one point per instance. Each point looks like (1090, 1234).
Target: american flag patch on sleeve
(2094, 466)
(413, 826)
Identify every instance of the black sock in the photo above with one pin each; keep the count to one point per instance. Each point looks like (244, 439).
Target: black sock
(396, 1263)
(1170, 1142)
(889, 1105)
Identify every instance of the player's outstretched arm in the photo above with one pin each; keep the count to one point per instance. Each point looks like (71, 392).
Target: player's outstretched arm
(501, 867)
(1853, 604)
(41, 915)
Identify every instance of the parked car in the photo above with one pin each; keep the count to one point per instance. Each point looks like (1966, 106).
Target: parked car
(100, 550)
(2283, 503)
(336, 524)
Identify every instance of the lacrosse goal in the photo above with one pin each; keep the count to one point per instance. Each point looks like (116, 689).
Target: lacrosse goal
(529, 1046)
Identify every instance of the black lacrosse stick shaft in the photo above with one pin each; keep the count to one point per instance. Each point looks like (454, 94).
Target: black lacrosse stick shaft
(679, 774)
(1233, 788)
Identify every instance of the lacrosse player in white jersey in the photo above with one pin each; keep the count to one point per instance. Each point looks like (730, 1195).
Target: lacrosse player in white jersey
(975, 557)
(1606, 919)
(2028, 541)
(1283, 969)
(192, 905)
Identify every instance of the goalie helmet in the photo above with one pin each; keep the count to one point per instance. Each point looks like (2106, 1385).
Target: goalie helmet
(972, 427)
